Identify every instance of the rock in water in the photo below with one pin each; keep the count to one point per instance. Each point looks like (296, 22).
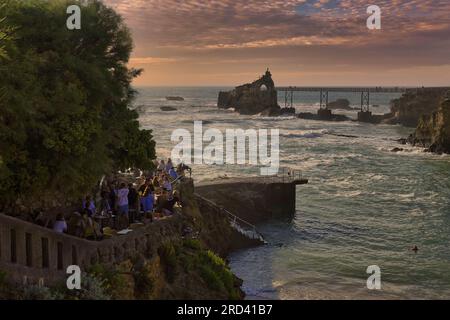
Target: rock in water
(433, 131)
(257, 97)
(175, 98)
(168, 109)
(343, 104)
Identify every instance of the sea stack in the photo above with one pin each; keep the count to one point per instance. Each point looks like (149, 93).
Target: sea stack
(258, 97)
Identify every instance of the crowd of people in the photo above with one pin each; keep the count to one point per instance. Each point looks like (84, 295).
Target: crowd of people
(122, 201)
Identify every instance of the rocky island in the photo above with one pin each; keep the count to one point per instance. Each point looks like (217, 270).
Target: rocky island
(258, 97)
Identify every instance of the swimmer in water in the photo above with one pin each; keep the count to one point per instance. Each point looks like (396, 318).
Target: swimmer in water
(415, 249)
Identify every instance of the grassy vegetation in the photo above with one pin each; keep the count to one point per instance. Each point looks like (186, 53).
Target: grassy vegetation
(193, 258)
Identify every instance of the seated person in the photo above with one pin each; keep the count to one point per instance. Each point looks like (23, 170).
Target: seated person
(60, 225)
(43, 219)
(91, 229)
(167, 185)
(75, 225)
(171, 201)
(182, 168)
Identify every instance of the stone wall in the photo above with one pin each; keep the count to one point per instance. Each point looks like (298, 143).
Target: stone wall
(253, 201)
(28, 250)
(34, 253)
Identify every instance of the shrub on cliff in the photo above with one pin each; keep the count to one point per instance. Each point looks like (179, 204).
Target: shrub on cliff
(64, 116)
(169, 257)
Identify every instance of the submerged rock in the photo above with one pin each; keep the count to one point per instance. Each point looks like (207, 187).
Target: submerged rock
(331, 117)
(342, 104)
(175, 98)
(168, 109)
(258, 97)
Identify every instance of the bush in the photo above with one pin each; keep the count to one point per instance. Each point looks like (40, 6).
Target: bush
(168, 255)
(112, 280)
(216, 273)
(35, 292)
(211, 278)
(193, 244)
(144, 283)
(93, 288)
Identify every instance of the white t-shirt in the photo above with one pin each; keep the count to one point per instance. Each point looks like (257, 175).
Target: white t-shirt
(122, 196)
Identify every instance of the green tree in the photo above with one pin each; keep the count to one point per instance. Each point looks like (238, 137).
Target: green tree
(65, 118)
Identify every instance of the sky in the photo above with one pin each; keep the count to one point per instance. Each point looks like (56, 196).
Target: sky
(303, 42)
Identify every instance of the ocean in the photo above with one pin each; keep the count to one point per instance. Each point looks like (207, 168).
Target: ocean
(364, 205)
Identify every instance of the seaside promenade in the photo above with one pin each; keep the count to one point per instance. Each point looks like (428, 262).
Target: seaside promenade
(32, 254)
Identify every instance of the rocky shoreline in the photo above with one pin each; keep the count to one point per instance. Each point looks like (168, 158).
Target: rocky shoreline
(433, 130)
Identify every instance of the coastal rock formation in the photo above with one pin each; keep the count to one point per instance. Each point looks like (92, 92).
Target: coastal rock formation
(342, 104)
(323, 116)
(175, 98)
(408, 109)
(257, 97)
(433, 130)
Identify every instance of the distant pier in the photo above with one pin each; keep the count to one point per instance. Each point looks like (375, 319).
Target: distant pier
(364, 115)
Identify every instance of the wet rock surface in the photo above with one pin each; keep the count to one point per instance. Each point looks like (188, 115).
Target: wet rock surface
(258, 97)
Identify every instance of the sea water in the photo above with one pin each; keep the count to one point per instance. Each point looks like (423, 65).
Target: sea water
(364, 204)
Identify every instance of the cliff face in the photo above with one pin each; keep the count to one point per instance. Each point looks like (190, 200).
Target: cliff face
(433, 131)
(257, 97)
(408, 109)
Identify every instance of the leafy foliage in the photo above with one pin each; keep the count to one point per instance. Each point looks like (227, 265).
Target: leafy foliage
(64, 117)
(112, 280)
(169, 257)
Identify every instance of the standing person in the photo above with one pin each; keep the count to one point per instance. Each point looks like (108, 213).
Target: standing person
(133, 202)
(173, 174)
(105, 206)
(89, 205)
(169, 165)
(166, 184)
(122, 202)
(161, 166)
(112, 196)
(146, 191)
